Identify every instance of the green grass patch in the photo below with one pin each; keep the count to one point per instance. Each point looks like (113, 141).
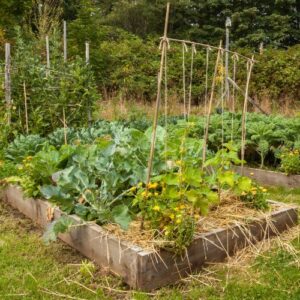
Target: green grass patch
(31, 270)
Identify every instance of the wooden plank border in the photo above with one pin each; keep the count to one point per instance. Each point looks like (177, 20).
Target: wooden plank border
(271, 177)
(148, 270)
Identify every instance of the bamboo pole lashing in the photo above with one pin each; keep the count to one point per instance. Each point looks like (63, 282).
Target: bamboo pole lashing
(193, 53)
(210, 106)
(7, 82)
(164, 46)
(25, 107)
(249, 72)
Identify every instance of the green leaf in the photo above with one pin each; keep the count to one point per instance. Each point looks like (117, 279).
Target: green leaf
(193, 177)
(226, 178)
(62, 225)
(172, 193)
(244, 184)
(172, 179)
(82, 211)
(120, 215)
(193, 196)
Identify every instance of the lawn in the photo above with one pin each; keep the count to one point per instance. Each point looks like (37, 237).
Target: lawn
(31, 270)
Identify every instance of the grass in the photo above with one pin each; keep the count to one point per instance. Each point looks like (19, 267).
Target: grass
(31, 270)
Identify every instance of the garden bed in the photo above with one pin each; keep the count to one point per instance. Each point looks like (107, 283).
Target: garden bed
(267, 177)
(150, 269)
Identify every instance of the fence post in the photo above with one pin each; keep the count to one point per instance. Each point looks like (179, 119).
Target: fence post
(227, 25)
(8, 82)
(87, 61)
(87, 52)
(26, 109)
(48, 56)
(65, 41)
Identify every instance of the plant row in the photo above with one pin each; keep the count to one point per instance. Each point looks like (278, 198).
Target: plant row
(100, 175)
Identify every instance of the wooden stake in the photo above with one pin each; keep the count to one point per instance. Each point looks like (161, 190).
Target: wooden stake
(48, 55)
(249, 71)
(210, 105)
(65, 126)
(87, 61)
(87, 53)
(26, 111)
(227, 91)
(65, 41)
(8, 82)
(160, 74)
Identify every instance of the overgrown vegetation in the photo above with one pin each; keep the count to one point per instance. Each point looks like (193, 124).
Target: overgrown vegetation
(101, 174)
(24, 259)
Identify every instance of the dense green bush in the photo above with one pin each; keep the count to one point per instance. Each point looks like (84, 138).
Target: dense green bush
(66, 86)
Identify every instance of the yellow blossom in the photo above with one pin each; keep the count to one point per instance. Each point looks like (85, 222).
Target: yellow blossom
(132, 189)
(156, 194)
(153, 185)
(253, 192)
(172, 216)
(156, 208)
(178, 162)
(264, 190)
(144, 194)
(178, 221)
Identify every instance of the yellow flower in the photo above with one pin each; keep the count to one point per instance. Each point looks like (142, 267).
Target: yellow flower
(251, 173)
(244, 193)
(264, 190)
(172, 216)
(178, 221)
(197, 216)
(182, 206)
(178, 162)
(156, 208)
(144, 194)
(140, 184)
(253, 192)
(156, 194)
(132, 189)
(153, 185)
(167, 233)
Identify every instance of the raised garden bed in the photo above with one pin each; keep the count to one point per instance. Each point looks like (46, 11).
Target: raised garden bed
(144, 269)
(267, 177)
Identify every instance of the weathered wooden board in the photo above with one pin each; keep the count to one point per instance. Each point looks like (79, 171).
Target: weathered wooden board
(271, 177)
(146, 270)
